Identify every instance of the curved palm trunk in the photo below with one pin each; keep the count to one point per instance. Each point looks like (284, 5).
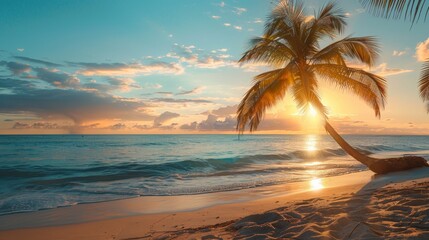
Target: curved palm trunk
(346, 146)
(385, 165)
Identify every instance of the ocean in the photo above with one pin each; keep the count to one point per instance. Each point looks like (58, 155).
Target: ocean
(49, 171)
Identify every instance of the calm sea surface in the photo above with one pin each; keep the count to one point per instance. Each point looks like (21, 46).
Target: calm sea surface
(48, 171)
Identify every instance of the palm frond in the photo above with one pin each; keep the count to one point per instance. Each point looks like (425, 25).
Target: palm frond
(330, 21)
(369, 87)
(269, 87)
(269, 51)
(424, 83)
(411, 10)
(364, 49)
(305, 92)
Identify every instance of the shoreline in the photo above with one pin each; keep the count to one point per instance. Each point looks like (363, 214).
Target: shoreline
(136, 217)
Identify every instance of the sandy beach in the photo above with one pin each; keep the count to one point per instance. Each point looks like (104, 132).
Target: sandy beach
(353, 206)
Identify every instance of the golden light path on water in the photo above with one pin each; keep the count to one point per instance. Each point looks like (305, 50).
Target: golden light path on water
(315, 183)
(311, 143)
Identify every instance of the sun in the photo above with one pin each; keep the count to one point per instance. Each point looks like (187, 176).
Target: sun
(311, 111)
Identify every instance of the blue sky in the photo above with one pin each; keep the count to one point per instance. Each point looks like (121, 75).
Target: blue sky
(170, 66)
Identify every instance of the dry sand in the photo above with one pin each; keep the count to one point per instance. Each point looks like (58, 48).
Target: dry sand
(354, 206)
(397, 211)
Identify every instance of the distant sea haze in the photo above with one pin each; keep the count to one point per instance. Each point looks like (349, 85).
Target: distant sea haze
(49, 171)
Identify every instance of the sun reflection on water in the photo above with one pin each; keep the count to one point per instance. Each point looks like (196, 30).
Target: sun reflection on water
(311, 143)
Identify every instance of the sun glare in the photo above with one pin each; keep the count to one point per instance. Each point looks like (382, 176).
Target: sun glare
(316, 184)
(312, 111)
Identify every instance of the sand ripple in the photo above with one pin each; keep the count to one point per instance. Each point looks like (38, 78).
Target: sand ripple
(397, 211)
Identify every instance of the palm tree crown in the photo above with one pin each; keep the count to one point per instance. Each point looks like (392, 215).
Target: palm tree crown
(291, 45)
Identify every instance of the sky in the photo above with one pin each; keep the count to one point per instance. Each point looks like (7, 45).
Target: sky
(135, 67)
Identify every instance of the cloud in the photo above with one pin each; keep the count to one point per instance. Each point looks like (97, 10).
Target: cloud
(196, 90)
(165, 93)
(164, 117)
(212, 123)
(50, 126)
(197, 58)
(173, 100)
(37, 61)
(189, 126)
(57, 78)
(216, 17)
(117, 126)
(227, 24)
(422, 50)
(238, 28)
(398, 53)
(76, 105)
(258, 20)
(223, 111)
(212, 62)
(20, 49)
(381, 70)
(222, 4)
(215, 123)
(384, 71)
(121, 84)
(124, 69)
(39, 125)
(16, 68)
(239, 11)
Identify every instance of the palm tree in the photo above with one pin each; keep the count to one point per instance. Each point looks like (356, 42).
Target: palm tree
(412, 10)
(290, 44)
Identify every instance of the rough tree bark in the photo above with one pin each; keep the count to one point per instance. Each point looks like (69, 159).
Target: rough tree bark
(377, 165)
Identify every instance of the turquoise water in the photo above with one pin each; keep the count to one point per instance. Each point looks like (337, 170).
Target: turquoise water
(49, 171)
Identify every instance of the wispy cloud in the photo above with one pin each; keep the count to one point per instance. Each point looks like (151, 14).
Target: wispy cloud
(239, 10)
(258, 20)
(190, 56)
(196, 90)
(385, 71)
(174, 100)
(113, 83)
(38, 61)
(127, 69)
(398, 53)
(227, 24)
(238, 28)
(216, 17)
(382, 69)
